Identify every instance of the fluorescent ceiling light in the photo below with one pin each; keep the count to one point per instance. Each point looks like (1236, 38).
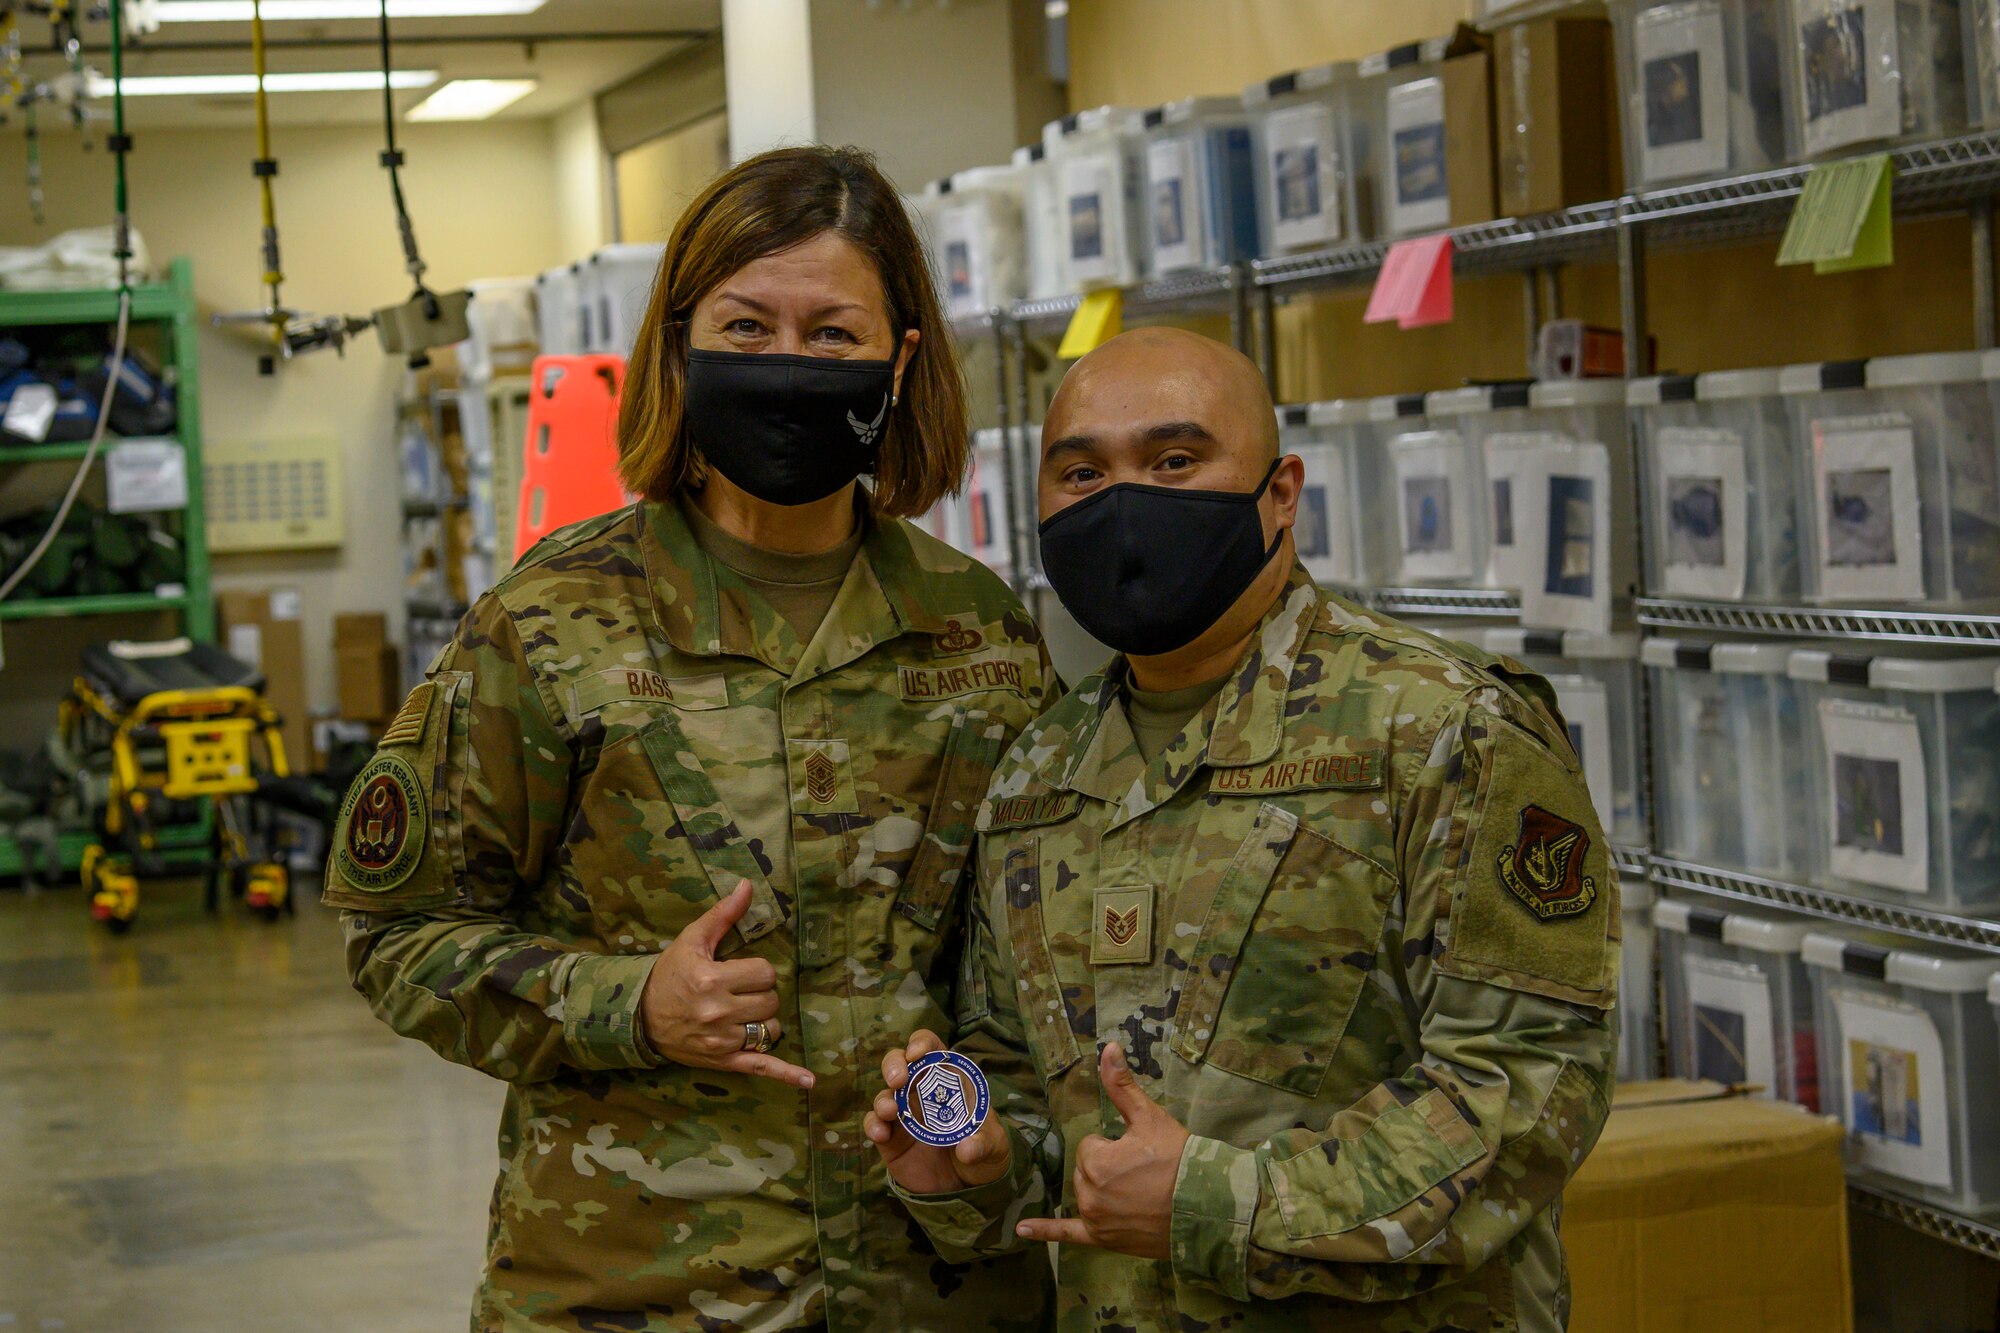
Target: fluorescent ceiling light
(226, 85)
(281, 11)
(471, 99)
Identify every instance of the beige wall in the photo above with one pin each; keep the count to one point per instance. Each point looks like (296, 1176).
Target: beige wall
(482, 197)
(657, 179)
(583, 210)
(1711, 309)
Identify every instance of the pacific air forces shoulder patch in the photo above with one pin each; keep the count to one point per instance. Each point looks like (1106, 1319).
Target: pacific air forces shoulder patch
(383, 824)
(1544, 865)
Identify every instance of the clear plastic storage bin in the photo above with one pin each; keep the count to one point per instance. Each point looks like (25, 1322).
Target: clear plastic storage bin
(617, 284)
(1982, 63)
(1596, 679)
(1557, 496)
(1042, 230)
(1638, 1045)
(986, 499)
(1415, 176)
(1728, 733)
(500, 319)
(1909, 1058)
(1898, 485)
(1316, 131)
(1703, 88)
(1739, 1003)
(1873, 72)
(560, 318)
(1721, 486)
(1336, 539)
(1905, 765)
(1201, 185)
(1099, 172)
(1435, 474)
(977, 243)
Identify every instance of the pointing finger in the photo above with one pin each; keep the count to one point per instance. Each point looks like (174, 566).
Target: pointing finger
(1062, 1230)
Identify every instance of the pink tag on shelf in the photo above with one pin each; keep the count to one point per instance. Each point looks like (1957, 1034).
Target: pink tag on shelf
(1414, 287)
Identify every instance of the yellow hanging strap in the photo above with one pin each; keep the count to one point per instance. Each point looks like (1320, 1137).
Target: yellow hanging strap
(266, 168)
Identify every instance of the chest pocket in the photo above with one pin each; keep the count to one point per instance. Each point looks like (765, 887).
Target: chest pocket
(1285, 947)
(709, 827)
(938, 866)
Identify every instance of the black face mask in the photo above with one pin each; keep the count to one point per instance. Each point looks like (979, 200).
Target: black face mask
(1146, 569)
(787, 429)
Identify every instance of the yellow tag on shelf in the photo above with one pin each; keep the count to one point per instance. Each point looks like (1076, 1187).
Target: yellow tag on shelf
(1841, 220)
(1099, 318)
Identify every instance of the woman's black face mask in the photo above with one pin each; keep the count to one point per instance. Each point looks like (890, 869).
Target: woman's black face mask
(787, 429)
(1146, 569)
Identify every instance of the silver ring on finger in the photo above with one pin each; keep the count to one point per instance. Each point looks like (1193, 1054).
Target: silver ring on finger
(758, 1037)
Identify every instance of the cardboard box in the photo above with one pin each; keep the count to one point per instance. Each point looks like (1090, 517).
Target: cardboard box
(1556, 109)
(1701, 1210)
(360, 629)
(371, 682)
(265, 627)
(1468, 136)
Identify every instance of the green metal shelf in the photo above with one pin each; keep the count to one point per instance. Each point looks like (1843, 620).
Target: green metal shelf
(68, 451)
(44, 608)
(155, 301)
(180, 845)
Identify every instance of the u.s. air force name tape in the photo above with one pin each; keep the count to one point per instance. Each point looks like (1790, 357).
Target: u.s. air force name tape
(945, 1100)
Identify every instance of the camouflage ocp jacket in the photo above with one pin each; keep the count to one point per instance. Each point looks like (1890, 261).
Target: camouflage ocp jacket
(618, 735)
(1357, 928)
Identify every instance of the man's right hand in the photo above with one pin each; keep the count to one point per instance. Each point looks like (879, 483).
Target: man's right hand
(696, 1008)
(918, 1167)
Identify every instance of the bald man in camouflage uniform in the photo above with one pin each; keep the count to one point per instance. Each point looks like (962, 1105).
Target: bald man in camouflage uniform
(1304, 1018)
(621, 753)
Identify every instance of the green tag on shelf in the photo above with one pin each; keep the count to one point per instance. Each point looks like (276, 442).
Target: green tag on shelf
(1841, 221)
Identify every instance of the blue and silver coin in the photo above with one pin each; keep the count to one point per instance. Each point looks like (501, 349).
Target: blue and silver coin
(945, 1101)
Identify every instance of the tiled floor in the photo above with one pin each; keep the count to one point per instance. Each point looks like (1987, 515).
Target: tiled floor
(203, 1128)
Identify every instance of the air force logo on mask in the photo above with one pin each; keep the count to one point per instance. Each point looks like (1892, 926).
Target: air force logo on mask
(865, 431)
(945, 1101)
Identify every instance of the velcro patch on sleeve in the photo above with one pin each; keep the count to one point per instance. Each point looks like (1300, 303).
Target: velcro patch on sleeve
(407, 727)
(383, 826)
(625, 684)
(1333, 772)
(950, 680)
(1027, 811)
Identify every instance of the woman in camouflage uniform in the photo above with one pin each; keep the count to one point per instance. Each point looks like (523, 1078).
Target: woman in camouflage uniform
(671, 838)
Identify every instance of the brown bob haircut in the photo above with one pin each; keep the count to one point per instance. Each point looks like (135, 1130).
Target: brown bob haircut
(760, 207)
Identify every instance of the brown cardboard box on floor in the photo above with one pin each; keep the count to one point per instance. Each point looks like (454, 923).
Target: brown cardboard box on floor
(265, 627)
(367, 666)
(1699, 1210)
(360, 629)
(1556, 115)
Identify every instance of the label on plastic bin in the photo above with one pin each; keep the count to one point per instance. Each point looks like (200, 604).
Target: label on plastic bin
(1897, 1107)
(1515, 481)
(1850, 73)
(1174, 218)
(1702, 499)
(145, 476)
(1321, 532)
(1431, 506)
(1586, 708)
(1574, 591)
(1730, 1034)
(1683, 89)
(1419, 186)
(1871, 540)
(1877, 813)
(1302, 166)
(1093, 216)
(963, 263)
(1841, 221)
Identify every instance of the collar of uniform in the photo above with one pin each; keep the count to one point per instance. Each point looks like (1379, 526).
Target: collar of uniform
(884, 596)
(1250, 713)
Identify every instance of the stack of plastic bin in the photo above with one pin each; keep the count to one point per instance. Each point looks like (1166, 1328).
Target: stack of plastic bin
(561, 323)
(1909, 1058)
(1728, 735)
(1900, 480)
(1201, 185)
(1739, 1004)
(1099, 171)
(1702, 87)
(1905, 765)
(1721, 483)
(1638, 1053)
(1596, 679)
(617, 283)
(1316, 133)
(1325, 438)
(1876, 72)
(976, 239)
